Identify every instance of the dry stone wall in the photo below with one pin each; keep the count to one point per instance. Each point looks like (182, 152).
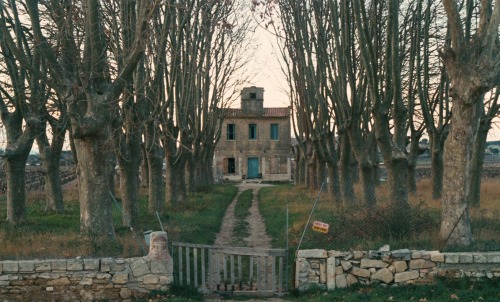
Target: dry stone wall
(107, 279)
(336, 269)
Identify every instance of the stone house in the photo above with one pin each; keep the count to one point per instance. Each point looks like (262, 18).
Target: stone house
(255, 141)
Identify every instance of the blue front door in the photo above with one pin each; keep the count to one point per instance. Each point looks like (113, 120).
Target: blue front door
(253, 167)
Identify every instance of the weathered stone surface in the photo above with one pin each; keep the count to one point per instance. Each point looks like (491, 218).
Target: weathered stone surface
(437, 256)
(330, 273)
(384, 275)
(26, 266)
(451, 258)
(106, 264)
(322, 272)
(421, 263)
(149, 279)
(402, 254)
(125, 293)
(60, 281)
(338, 270)
(358, 254)
(336, 254)
(366, 263)
(42, 266)
(406, 276)
(341, 281)
(1, 268)
(346, 265)
(4, 283)
(315, 253)
(103, 276)
(416, 255)
(120, 278)
(466, 258)
(493, 258)
(359, 272)
(400, 266)
(58, 265)
(91, 264)
(351, 279)
(378, 254)
(74, 265)
(139, 267)
(86, 281)
(159, 267)
(480, 258)
(49, 288)
(10, 266)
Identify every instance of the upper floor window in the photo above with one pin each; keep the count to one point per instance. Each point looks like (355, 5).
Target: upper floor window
(252, 131)
(274, 132)
(253, 95)
(231, 132)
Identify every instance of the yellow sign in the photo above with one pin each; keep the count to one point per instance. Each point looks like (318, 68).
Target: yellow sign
(320, 227)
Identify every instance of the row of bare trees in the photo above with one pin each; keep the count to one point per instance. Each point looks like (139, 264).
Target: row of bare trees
(127, 80)
(380, 74)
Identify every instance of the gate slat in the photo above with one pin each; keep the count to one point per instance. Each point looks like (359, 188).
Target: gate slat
(203, 269)
(224, 268)
(250, 280)
(232, 270)
(180, 265)
(280, 284)
(188, 266)
(240, 272)
(258, 272)
(273, 274)
(195, 267)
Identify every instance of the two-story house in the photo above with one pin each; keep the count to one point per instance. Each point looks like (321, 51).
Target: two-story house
(255, 141)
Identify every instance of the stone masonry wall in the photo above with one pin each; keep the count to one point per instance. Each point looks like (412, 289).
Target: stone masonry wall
(83, 279)
(335, 269)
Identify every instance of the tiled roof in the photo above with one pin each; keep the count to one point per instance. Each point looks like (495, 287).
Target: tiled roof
(268, 112)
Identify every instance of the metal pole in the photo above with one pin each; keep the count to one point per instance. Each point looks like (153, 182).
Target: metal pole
(309, 219)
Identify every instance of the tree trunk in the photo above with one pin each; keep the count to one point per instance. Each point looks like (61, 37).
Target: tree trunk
(156, 202)
(53, 186)
(129, 187)
(14, 167)
(412, 164)
(477, 161)
(455, 221)
(437, 140)
(144, 168)
(397, 178)
(368, 185)
(176, 181)
(94, 172)
(347, 166)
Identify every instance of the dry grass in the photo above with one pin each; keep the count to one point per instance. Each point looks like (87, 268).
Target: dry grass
(359, 227)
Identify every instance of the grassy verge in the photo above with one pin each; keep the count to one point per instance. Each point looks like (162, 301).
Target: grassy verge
(241, 212)
(44, 235)
(441, 291)
(359, 228)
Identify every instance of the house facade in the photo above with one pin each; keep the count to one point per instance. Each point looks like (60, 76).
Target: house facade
(255, 141)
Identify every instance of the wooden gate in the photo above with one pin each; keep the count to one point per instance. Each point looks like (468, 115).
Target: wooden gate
(238, 270)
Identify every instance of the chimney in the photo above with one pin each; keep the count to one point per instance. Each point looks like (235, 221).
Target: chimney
(252, 100)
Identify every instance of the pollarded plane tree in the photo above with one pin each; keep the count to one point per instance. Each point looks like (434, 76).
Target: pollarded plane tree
(79, 71)
(472, 62)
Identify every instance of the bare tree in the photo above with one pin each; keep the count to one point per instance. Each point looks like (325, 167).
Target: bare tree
(473, 65)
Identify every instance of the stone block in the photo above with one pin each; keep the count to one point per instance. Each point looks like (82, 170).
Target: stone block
(43, 266)
(91, 264)
(400, 266)
(358, 255)
(339, 270)
(49, 288)
(26, 266)
(106, 264)
(402, 254)
(466, 258)
(416, 255)
(384, 275)
(101, 276)
(336, 254)
(351, 279)
(360, 272)
(58, 265)
(346, 265)
(367, 263)
(74, 265)
(139, 267)
(437, 256)
(120, 278)
(421, 263)
(341, 281)
(4, 283)
(491, 258)
(480, 258)
(451, 258)
(314, 253)
(322, 272)
(59, 281)
(406, 276)
(86, 281)
(378, 254)
(159, 267)
(10, 266)
(330, 273)
(4, 277)
(125, 293)
(149, 279)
